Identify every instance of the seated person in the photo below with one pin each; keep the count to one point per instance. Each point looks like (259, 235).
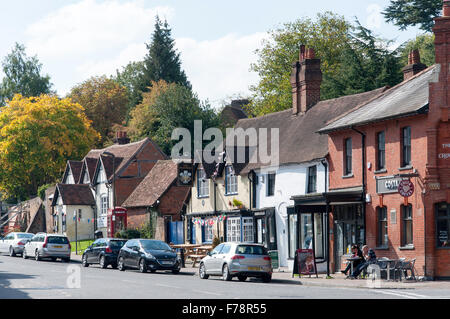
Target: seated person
(356, 253)
(369, 258)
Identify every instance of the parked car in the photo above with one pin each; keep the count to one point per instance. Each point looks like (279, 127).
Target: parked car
(103, 251)
(13, 243)
(43, 245)
(148, 254)
(241, 260)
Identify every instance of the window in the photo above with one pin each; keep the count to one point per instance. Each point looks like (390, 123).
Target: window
(407, 225)
(443, 224)
(234, 229)
(270, 184)
(382, 234)
(217, 250)
(348, 156)
(63, 222)
(292, 234)
(208, 230)
(381, 151)
(312, 179)
(202, 184)
(104, 205)
(247, 227)
(406, 146)
(230, 181)
(226, 249)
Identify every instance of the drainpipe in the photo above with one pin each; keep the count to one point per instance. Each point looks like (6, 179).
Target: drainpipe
(363, 163)
(325, 165)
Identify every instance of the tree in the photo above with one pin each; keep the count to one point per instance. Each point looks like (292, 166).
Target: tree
(162, 62)
(328, 35)
(105, 102)
(22, 76)
(168, 106)
(425, 44)
(37, 137)
(406, 13)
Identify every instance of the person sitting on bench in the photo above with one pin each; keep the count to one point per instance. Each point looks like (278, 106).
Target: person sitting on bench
(369, 257)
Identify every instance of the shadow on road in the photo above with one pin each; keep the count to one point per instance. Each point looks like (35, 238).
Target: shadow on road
(6, 292)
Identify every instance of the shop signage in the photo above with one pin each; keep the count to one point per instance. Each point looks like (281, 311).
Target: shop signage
(304, 262)
(388, 185)
(406, 188)
(185, 174)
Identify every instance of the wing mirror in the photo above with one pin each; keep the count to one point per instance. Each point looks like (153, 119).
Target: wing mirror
(136, 248)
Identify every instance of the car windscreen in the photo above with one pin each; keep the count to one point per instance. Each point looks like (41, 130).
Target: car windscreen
(117, 243)
(57, 240)
(20, 236)
(155, 245)
(251, 250)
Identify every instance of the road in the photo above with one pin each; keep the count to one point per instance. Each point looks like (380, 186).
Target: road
(21, 278)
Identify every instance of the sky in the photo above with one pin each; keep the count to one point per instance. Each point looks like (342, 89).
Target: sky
(77, 39)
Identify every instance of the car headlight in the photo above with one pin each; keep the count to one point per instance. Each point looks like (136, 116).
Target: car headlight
(149, 256)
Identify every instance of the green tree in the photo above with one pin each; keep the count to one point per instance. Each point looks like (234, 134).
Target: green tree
(406, 13)
(37, 137)
(162, 61)
(168, 106)
(22, 76)
(105, 102)
(328, 34)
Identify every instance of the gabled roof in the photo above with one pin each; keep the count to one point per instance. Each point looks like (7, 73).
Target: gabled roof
(405, 99)
(74, 194)
(75, 167)
(299, 141)
(89, 165)
(162, 176)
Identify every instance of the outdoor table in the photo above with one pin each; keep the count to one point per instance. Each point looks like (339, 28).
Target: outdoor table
(352, 260)
(388, 262)
(186, 250)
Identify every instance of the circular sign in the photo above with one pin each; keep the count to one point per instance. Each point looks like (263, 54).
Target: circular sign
(406, 188)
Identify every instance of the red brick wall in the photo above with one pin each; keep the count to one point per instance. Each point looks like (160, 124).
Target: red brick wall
(137, 217)
(172, 202)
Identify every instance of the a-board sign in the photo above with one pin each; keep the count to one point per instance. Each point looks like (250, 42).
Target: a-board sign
(304, 263)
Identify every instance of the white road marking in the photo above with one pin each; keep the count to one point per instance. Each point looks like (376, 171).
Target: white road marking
(403, 294)
(168, 286)
(207, 292)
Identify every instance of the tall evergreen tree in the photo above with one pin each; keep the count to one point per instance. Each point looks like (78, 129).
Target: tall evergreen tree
(22, 76)
(162, 61)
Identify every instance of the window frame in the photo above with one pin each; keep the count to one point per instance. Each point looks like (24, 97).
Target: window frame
(348, 156)
(407, 222)
(202, 184)
(381, 152)
(310, 189)
(445, 218)
(406, 159)
(382, 223)
(230, 181)
(271, 180)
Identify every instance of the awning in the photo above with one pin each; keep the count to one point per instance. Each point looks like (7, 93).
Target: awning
(343, 196)
(311, 203)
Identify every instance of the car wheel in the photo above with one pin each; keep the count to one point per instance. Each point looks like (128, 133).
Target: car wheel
(175, 271)
(66, 260)
(121, 265)
(267, 278)
(242, 278)
(37, 257)
(226, 273)
(142, 266)
(12, 252)
(202, 272)
(102, 262)
(114, 266)
(24, 254)
(84, 261)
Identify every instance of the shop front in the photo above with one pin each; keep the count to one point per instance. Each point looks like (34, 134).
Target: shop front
(265, 227)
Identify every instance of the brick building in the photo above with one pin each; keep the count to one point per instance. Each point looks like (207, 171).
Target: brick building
(402, 134)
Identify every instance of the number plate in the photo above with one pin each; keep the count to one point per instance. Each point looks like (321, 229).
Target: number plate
(57, 246)
(166, 262)
(254, 268)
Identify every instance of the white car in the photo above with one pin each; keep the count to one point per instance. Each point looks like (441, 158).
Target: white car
(13, 243)
(51, 246)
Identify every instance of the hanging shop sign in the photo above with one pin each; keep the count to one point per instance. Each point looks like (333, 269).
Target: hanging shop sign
(406, 188)
(388, 185)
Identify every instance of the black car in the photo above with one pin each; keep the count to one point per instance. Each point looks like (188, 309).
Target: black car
(103, 251)
(148, 254)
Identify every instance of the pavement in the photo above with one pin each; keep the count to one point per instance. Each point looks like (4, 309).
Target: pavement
(337, 280)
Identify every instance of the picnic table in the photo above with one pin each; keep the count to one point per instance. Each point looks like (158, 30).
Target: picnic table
(199, 253)
(187, 250)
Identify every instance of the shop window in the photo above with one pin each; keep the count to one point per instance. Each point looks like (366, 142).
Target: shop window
(406, 146)
(202, 184)
(407, 225)
(312, 179)
(247, 230)
(348, 156)
(270, 184)
(443, 224)
(292, 229)
(381, 151)
(382, 227)
(208, 231)
(234, 229)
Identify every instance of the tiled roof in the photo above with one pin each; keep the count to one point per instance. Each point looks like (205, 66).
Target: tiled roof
(76, 169)
(154, 185)
(299, 141)
(74, 194)
(407, 98)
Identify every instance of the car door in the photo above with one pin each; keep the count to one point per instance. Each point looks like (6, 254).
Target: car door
(96, 250)
(221, 257)
(135, 254)
(7, 242)
(211, 262)
(126, 254)
(89, 252)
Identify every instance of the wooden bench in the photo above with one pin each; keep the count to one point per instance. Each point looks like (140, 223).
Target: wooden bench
(195, 258)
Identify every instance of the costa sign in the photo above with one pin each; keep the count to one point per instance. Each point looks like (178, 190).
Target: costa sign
(406, 188)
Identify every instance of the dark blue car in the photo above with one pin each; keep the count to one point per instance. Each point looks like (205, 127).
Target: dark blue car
(103, 251)
(148, 255)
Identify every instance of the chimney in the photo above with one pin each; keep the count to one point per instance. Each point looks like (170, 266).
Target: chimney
(446, 8)
(414, 66)
(121, 138)
(306, 78)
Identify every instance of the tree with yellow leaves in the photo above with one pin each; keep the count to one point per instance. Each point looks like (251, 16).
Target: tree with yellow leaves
(37, 137)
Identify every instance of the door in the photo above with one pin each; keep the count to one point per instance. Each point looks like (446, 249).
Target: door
(90, 254)
(339, 243)
(193, 233)
(176, 232)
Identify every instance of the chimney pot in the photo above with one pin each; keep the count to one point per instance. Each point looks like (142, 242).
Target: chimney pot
(310, 53)
(446, 8)
(414, 65)
(415, 57)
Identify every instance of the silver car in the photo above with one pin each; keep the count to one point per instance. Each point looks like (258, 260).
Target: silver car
(13, 243)
(241, 260)
(51, 246)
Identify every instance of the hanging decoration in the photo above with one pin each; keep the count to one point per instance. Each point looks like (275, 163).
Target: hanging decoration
(209, 221)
